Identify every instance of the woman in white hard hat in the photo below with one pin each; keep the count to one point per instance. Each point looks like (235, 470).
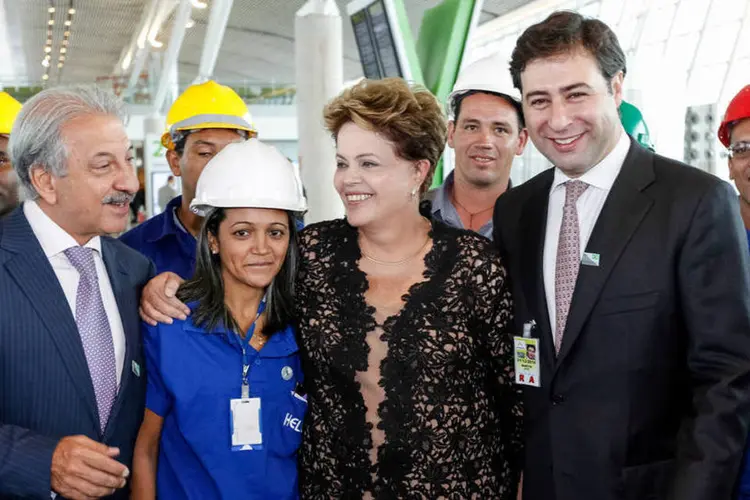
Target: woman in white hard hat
(405, 323)
(224, 401)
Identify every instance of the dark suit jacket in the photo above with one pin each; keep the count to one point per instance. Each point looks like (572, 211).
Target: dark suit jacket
(649, 397)
(46, 391)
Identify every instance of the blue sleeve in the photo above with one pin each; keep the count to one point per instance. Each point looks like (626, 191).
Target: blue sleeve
(158, 398)
(744, 489)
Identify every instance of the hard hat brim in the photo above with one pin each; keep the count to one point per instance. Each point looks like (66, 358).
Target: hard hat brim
(202, 207)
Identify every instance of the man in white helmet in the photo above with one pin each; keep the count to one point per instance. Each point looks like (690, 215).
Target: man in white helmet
(486, 130)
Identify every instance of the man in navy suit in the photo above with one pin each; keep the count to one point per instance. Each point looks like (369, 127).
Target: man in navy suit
(71, 370)
(631, 271)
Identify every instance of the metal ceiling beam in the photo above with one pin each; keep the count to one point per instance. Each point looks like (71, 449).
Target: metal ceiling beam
(173, 52)
(217, 24)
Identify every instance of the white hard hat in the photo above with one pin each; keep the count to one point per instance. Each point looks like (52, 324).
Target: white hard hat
(489, 74)
(249, 174)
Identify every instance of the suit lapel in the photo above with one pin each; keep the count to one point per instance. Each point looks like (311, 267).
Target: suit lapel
(34, 276)
(119, 279)
(533, 225)
(622, 213)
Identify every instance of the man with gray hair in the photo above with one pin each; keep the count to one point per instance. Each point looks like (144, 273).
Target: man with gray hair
(71, 380)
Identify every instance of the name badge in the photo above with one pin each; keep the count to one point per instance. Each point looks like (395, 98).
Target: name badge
(526, 361)
(246, 430)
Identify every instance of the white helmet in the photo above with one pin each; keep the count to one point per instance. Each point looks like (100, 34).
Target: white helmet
(249, 174)
(491, 74)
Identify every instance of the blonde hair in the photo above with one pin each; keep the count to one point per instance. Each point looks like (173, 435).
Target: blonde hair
(407, 115)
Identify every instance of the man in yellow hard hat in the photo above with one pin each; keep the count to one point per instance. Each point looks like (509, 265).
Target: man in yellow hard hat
(201, 122)
(9, 108)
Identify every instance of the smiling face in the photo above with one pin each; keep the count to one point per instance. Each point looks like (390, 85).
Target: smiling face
(374, 183)
(93, 198)
(486, 136)
(571, 110)
(252, 244)
(739, 164)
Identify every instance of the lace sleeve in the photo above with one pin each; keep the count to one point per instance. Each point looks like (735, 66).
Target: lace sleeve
(494, 313)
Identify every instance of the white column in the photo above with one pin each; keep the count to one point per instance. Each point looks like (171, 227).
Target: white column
(320, 77)
(172, 54)
(217, 24)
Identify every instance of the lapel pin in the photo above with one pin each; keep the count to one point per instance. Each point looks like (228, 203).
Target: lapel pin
(590, 259)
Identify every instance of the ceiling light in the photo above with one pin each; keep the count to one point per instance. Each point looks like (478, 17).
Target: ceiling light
(51, 10)
(59, 65)
(126, 62)
(63, 50)
(48, 57)
(48, 49)
(62, 58)
(65, 42)
(67, 23)
(45, 76)
(190, 24)
(45, 63)
(71, 11)
(198, 4)
(51, 22)
(66, 34)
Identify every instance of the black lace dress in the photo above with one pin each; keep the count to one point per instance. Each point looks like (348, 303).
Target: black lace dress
(451, 416)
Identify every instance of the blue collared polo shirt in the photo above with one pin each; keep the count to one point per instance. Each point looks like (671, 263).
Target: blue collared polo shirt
(163, 240)
(192, 376)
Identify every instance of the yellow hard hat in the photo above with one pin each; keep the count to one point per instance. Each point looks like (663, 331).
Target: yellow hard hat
(9, 109)
(207, 105)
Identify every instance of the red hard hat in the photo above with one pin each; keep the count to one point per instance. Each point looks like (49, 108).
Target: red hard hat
(738, 109)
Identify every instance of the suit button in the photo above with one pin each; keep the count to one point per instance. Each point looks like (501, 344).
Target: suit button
(557, 399)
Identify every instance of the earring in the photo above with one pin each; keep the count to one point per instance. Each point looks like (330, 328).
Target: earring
(215, 252)
(414, 193)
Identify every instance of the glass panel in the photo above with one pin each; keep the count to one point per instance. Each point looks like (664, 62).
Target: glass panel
(725, 11)
(743, 47)
(690, 16)
(717, 44)
(738, 77)
(657, 24)
(610, 11)
(591, 9)
(705, 84)
(680, 52)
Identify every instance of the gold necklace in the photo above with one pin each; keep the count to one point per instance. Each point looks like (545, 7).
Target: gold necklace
(398, 262)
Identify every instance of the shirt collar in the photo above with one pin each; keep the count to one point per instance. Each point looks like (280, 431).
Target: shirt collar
(168, 225)
(441, 195)
(441, 199)
(603, 174)
(53, 239)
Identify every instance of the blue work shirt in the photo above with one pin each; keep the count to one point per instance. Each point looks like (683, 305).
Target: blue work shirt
(165, 241)
(192, 375)
(444, 211)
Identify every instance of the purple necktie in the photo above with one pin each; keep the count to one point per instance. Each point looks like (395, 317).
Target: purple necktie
(96, 336)
(568, 258)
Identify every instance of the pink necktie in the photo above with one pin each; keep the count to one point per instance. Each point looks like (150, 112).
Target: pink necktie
(568, 258)
(96, 336)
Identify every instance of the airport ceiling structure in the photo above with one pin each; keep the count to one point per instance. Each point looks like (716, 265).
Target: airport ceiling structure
(88, 37)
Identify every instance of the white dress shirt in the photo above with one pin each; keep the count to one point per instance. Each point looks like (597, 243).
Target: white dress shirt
(54, 241)
(600, 179)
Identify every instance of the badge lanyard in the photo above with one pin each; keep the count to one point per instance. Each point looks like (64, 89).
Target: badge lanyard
(245, 345)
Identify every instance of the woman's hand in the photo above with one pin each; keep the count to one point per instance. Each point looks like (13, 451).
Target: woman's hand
(158, 301)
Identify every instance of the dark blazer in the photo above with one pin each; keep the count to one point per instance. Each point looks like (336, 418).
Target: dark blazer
(46, 391)
(649, 397)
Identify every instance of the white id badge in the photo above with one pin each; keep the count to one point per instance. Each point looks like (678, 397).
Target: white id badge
(526, 361)
(246, 430)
